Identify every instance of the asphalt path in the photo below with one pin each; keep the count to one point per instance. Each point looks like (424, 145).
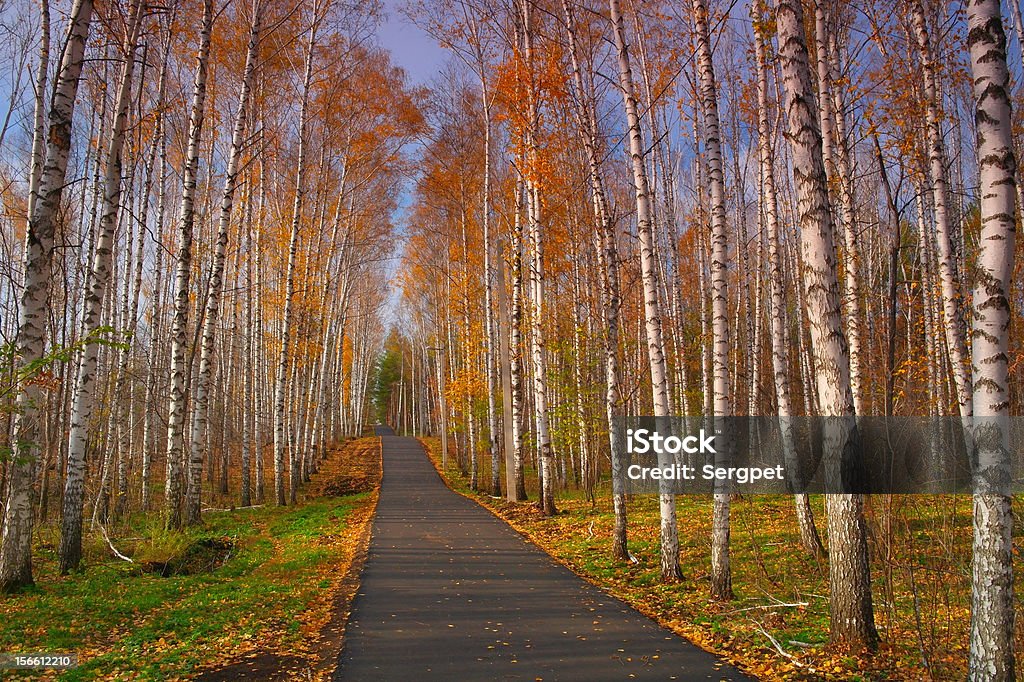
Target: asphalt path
(450, 592)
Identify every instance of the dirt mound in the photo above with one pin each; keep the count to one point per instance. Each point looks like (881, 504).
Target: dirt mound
(201, 556)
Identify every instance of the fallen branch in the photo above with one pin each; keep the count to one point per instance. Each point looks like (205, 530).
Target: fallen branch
(779, 602)
(111, 545)
(766, 607)
(778, 647)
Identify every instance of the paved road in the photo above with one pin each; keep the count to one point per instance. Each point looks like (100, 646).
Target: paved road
(449, 592)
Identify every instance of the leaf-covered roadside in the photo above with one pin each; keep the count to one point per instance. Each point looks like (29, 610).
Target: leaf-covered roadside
(777, 628)
(273, 594)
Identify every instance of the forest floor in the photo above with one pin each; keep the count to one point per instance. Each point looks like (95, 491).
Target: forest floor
(272, 604)
(777, 627)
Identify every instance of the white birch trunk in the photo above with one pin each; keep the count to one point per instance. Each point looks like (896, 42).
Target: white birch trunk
(670, 570)
(537, 351)
(155, 345)
(840, 174)
(777, 302)
(949, 281)
(607, 258)
(84, 399)
(182, 277)
(281, 382)
(202, 399)
(489, 323)
(247, 364)
(721, 573)
(992, 656)
(537, 336)
(516, 341)
(851, 612)
(33, 310)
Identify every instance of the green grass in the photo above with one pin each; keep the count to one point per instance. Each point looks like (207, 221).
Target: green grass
(125, 623)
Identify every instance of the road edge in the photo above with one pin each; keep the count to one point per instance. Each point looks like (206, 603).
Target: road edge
(333, 632)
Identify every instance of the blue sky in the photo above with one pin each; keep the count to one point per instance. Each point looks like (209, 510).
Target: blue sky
(421, 57)
(410, 47)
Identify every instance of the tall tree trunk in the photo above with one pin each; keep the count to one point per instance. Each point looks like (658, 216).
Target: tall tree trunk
(839, 173)
(607, 257)
(538, 350)
(202, 397)
(851, 612)
(777, 301)
(283, 364)
(466, 341)
(84, 399)
(670, 571)
(182, 277)
(248, 434)
(155, 344)
(33, 310)
(516, 340)
(992, 602)
(126, 406)
(489, 323)
(35, 170)
(949, 281)
(259, 355)
(721, 573)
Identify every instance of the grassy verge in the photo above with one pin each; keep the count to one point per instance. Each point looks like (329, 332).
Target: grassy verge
(777, 628)
(274, 591)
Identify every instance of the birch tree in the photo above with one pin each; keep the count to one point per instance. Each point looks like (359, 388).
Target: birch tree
(839, 174)
(33, 309)
(607, 254)
(176, 413)
(536, 264)
(283, 362)
(949, 280)
(670, 570)
(992, 655)
(852, 622)
(721, 573)
(202, 397)
(777, 302)
(84, 398)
